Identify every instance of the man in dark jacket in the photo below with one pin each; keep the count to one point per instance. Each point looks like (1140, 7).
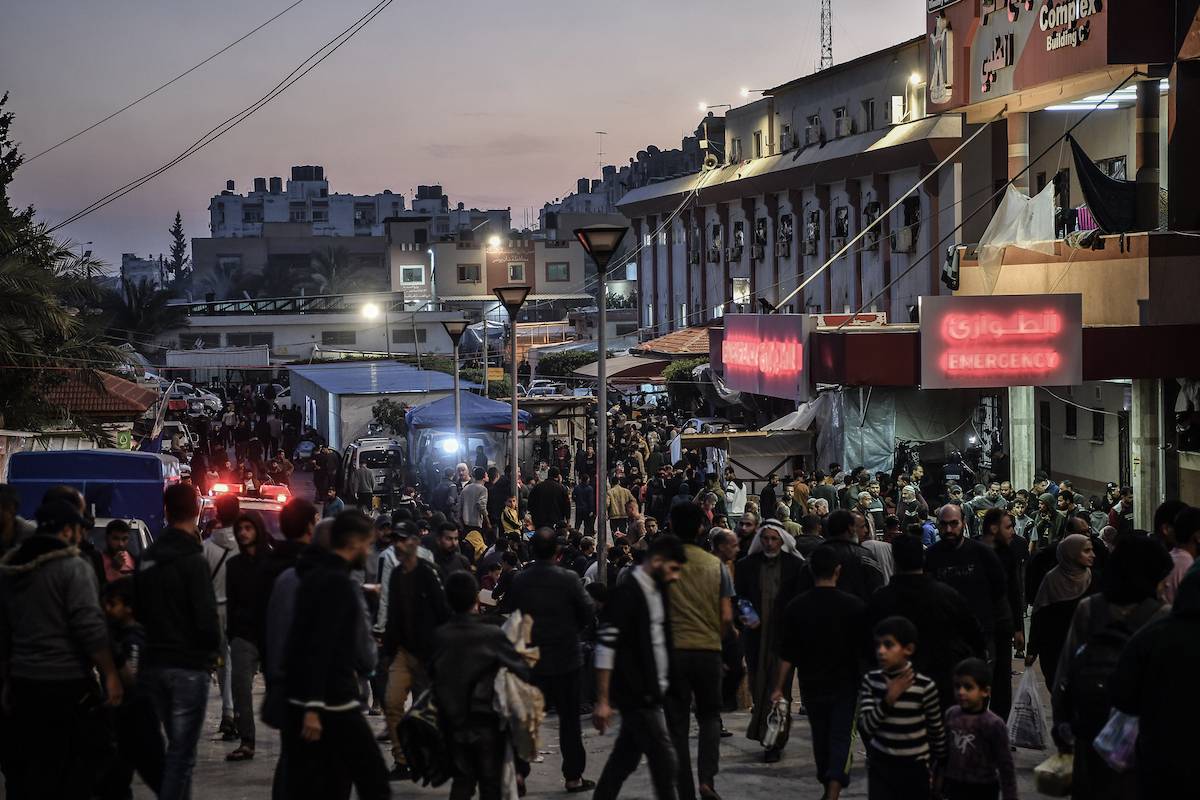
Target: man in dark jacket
(447, 554)
(417, 607)
(467, 652)
(949, 632)
(861, 574)
(633, 671)
(560, 608)
(584, 496)
(329, 649)
(549, 501)
(52, 633)
(179, 610)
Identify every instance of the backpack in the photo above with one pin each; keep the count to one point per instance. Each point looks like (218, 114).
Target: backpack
(1094, 665)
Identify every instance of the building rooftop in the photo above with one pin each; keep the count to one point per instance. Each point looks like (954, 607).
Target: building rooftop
(100, 394)
(686, 342)
(377, 377)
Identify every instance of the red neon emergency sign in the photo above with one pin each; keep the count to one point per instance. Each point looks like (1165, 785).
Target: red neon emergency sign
(1001, 341)
(765, 354)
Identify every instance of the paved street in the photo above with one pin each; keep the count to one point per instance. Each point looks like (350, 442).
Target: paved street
(743, 775)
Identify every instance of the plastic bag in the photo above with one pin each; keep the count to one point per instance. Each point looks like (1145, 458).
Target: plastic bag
(1117, 741)
(1027, 720)
(779, 723)
(1053, 776)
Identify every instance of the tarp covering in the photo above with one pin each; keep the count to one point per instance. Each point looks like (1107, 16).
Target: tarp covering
(1113, 202)
(857, 427)
(478, 414)
(1021, 221)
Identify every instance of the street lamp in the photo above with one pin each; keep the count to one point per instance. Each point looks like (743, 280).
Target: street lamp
(601, 243)
(512, 298)
(455, 328)
(370, 312)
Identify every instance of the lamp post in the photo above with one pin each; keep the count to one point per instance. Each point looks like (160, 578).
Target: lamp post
(370, 311)
(493, 242)
(601, 243)
(512, 298)
(455, 328)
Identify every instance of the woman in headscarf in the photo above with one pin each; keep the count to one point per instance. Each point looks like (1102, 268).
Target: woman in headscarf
(1127, 601)
(768, 578)
(1060, 592)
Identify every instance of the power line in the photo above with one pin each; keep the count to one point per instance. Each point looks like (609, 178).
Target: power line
(160, 87)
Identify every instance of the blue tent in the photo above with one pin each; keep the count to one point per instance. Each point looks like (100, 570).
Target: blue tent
(478, 414)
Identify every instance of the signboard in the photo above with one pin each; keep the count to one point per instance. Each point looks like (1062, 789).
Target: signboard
(495, 373)
(1004, 340)
(941, 61)
(767, 354)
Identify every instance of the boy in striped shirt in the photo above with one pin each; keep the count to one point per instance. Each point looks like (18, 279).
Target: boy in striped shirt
(900, 718)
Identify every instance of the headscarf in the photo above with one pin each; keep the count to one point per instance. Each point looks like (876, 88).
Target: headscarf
(1070, 579)
(789, 541)
(1134, 570)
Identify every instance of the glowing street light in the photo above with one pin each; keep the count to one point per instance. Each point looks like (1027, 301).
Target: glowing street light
(493, 241)
(370, 312)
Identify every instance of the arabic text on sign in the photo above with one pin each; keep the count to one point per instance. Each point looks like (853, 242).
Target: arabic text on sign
(958, 328)
(769, 358)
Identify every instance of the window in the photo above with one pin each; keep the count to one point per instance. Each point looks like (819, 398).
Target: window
(199, 341)
(841, 222)
(917, 105)
(405, 335)
(516, 272)
(320, 213)
(364, 215)
(232, 262)
(412, 275)
(338, 337)
(252, 214)
(558, 272)
(1072, 422)
(785, 136)
(468, 273)
(735, 150)
(297, 212)
(1098, 416)
(443, 226)
(249, 339)
(758, 151)
(815, 121)
(1113, 167)
(868, 114)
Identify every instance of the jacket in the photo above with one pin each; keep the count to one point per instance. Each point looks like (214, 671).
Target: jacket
(861, 573)
(974, 570)
(625, 629)
(472, 504)
(50, 620)
(242, 619)
(560, 608)
(218, 549)
(176, 603)
(283, 556)
(467, 652)
(412, 628)
(325, 648)
(617, 500)
(549, 503)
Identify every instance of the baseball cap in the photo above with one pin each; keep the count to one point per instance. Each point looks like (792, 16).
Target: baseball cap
(405, 531)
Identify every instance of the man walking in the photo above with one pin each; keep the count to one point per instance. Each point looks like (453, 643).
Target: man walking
(178, 608)
(218, 549)
(472, 502)
(701, 610)
(561, 609)
(416, 607)
(549, 501)
(633, 671)
(52, 632)
(330, 745)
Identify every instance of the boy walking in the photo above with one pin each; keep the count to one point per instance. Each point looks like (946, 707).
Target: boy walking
(980, 765)
(899, 717)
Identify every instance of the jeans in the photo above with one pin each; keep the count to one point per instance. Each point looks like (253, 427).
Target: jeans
(895, 778)
(479, 761)
(831, 715)
(564, 692)
(179, 696)
(697, 676)
(405, 676)
(244, 657)
(60, 738)
(345, 756)
(643, 732)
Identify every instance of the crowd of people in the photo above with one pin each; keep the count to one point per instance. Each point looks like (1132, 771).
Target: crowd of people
(891, 608)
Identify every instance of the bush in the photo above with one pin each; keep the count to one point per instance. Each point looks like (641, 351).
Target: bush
(683, 394)
(563, 363)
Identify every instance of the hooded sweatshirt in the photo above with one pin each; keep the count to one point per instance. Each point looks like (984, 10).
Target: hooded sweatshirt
(218, 549)
(50, 617)
(176, 603)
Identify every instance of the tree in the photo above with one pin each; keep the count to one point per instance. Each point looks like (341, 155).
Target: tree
(140, 313)
(332, 272)
(223, 281)
(678, 377)
(563, 363)
(390, 415)
(178, 263)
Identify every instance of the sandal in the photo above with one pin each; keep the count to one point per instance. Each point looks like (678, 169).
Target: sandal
(243, 753)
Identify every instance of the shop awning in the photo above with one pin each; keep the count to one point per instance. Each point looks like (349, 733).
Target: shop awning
(627, 369)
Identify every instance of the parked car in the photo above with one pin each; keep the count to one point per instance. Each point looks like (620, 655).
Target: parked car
(385, 458)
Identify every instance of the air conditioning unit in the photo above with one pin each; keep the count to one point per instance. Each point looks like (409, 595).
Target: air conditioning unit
(694, 257)
(903, 241)
(812, 134)
(756, 252)
(837, 243)
(871, 239)
(734, 253)
(783, 248)
(810, 247)
(714, 255)
(843, 126)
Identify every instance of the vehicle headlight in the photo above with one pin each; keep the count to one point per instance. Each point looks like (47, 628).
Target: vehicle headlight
(449, 446)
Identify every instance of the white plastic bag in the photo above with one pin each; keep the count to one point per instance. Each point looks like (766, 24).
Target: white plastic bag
(1027, 720)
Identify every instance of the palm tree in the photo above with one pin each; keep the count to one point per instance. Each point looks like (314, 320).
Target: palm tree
(139, 313)
(332, 272)
(277, 279)
(222, 281)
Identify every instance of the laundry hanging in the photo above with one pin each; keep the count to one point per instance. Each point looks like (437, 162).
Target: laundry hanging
(1021, 221)
(1113, 202)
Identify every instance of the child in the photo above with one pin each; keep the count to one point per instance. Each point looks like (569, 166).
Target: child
(980, 765)
(140, 743)
(899, 717)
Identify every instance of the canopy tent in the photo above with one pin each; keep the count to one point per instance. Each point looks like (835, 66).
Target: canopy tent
(478, 414)
(754, 455)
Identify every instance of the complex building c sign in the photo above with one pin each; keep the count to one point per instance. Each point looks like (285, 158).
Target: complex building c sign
(767, 354)
(1013, 340)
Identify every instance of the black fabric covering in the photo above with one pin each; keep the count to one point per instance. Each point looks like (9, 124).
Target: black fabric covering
(1113, 202)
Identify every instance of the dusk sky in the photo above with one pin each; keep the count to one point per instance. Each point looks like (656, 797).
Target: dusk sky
(497, 102)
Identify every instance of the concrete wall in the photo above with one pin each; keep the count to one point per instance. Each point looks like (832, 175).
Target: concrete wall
(1088, 464)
